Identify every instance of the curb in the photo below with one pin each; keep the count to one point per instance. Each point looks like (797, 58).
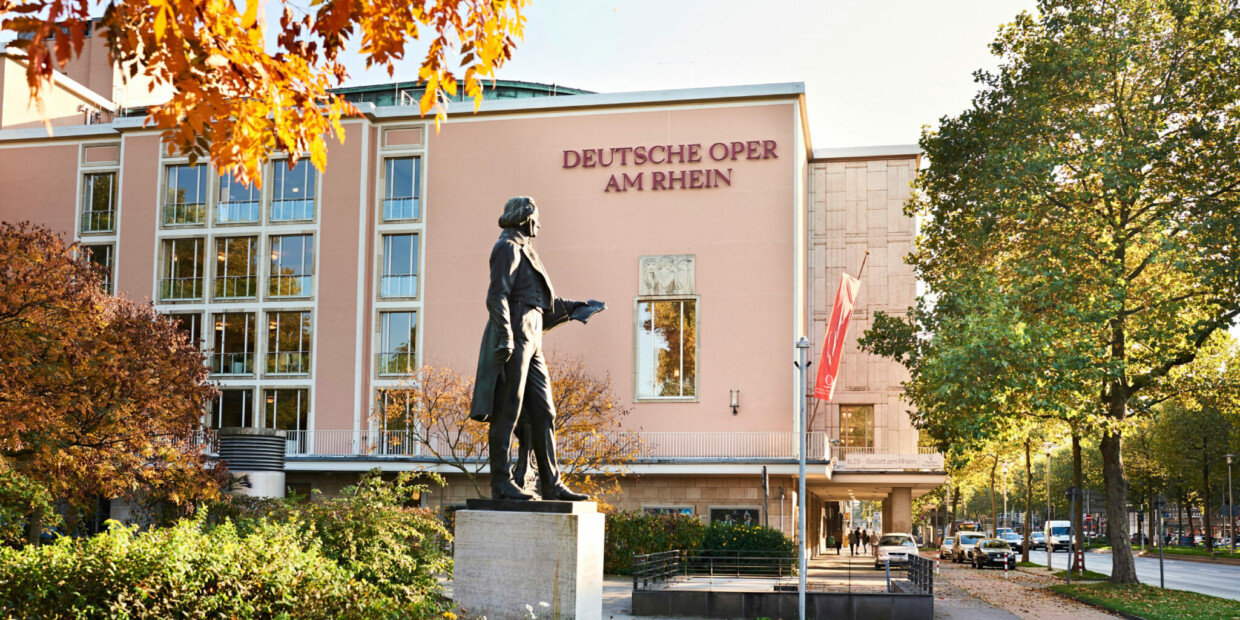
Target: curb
(1106, 610)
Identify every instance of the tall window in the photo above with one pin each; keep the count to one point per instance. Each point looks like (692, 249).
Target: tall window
(667, 349)
(292, 266)
(395, 417)
(188, 323)
(288, 410)
(288, 343)
(402, 188)
(99, 202)
(232, 350)
(183, 269)
(856, 426)
(101, 256)
(292, 195)
(236, 267)
(234, 408)
(398, 343)
(185, 195)
(400, 266)
(237, 204)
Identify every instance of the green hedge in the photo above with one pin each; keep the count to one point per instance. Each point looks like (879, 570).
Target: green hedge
(632, 533)
(187, 570)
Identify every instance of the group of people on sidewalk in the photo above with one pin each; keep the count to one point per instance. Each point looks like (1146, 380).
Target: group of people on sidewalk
(857, 538)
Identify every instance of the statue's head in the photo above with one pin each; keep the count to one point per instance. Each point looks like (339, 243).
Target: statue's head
(521, 213)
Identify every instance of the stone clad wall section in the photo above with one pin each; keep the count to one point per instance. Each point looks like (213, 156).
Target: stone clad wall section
(855, 206)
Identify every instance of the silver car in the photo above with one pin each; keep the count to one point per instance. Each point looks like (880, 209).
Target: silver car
(965, 541)
(945, 548)
(894, 549)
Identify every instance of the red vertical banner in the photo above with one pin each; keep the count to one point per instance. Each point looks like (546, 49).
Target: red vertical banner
(837, 331)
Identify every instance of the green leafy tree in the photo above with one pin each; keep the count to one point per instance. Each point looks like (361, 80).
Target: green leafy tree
(1094, 181)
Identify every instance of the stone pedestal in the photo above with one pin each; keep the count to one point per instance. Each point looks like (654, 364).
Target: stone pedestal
(512, 554)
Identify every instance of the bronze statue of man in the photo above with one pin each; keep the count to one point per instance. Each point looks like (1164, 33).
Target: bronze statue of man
(512, 385)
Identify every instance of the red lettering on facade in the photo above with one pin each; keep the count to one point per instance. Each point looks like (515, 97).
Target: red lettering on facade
(657, 180)
(718, 151)
(677, 151)
(611, 156)
(695, 179)
(587, 158)
(719, 176)
(639, 156)
(768, 150)
(658, 161)
(753, 146)
(632, 182)
(695, 153)
(576, 159)
(737, 149)
(612, 184)
(672, 178)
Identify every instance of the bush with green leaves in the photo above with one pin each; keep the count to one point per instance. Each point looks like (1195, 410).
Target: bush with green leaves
(742, 538)
(373, 529)
(188, 570)
(632, 533)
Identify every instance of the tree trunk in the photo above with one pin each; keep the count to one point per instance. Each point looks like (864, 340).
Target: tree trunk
(1024, 553)
(1123, 568)
(1078, 519)
(994, 516)
(955, 502)
(1179, 515)
(1205, 498)
(35, 528)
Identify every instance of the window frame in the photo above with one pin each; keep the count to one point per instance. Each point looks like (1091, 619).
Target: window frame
(304, 357)
(312, 265)
(87, 198)
(415, 263)
(205, 184)
(381, 343)
(871, 428)
(219, 273)
(279, 172)
(167, 248)
(250, 342)
(218, 204)
(109, 279)
(697, 349)
(386, 188)
(247, 416)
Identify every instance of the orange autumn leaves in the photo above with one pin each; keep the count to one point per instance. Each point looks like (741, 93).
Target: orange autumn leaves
(235, 101)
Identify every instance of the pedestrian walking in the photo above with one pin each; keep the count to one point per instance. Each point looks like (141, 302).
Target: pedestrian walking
(853, 539)
(874, 543)
(830, 540)
(839, 542)
(865, 541)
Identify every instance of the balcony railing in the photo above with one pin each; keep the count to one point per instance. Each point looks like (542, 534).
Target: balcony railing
(397, 363)
(399, 285)
(232, 363)
(653, 447)
(98, 221)
(290, 286)
(236, 287)
(180, 289)
(400, 209)
(238, 212)
(185, 213)
(292, 209)
(288, 363)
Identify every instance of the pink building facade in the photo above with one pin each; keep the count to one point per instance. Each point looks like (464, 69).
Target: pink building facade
(703, 217)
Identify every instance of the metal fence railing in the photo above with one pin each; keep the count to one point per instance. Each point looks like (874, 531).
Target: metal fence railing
(919, 572)
(657, 570)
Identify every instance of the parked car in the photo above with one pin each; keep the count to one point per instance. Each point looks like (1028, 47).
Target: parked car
(1002, 531)
(965, 541)
(1058, 535)
(1138, 539)
(894, 549)
(945, 548)
(1014, 540)
(1037, 540)
(992, 552)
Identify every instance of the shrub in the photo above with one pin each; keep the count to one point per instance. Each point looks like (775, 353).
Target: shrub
(631, 533)
(739, 537)
(372, 530)
(187, 570)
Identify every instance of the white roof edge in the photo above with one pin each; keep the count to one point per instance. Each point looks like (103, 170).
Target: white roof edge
(889, 150)
(534, 104)
(68, 83)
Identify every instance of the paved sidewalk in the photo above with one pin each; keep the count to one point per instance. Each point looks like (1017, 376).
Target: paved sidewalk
(1018, 595)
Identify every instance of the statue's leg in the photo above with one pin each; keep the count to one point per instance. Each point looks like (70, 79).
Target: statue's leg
(540, 410)
(508, 407)
(521, 469)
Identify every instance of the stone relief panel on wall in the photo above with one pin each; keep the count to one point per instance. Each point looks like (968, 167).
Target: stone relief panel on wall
(667, 274)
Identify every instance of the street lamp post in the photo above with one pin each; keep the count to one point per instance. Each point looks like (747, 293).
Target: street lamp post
(1007, 520)
(1071, 535)
(1162, 505)
(1049, 547)
(1231, 505)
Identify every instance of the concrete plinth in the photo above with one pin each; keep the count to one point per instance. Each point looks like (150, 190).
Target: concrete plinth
(505, 560)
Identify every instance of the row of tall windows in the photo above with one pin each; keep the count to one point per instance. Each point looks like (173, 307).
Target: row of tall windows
(190, 191)
(286, 409)
(234, 338)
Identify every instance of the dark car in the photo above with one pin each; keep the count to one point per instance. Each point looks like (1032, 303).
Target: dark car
(963, 550)
(1014, 540)
(1037, 540)
(993, 552)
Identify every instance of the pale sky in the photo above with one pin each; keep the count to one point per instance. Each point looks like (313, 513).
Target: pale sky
(874, 71)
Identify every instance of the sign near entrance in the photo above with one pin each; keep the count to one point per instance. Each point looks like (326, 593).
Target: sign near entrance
(710, 174)
(891, 461)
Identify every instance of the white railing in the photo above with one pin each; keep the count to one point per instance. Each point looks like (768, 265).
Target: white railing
(758, 446)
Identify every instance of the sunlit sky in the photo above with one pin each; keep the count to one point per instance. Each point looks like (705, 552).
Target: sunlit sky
(875, 71)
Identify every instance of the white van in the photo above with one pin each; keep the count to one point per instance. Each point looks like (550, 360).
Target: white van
(1058, 535)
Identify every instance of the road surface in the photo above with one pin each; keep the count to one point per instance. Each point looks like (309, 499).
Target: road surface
(1214, 579)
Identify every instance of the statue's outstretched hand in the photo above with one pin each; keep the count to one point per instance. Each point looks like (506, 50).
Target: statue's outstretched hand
(588, 309)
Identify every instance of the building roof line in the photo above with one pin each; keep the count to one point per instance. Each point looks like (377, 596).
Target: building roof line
(887, 151)
(59, 79)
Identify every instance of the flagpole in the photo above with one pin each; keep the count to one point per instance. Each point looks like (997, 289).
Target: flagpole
(802, 364)
(863, 259)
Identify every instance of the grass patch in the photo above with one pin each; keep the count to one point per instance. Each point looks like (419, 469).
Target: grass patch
(1153, 603)
(1198, 551)
(1089, 574)
(1029, 565)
